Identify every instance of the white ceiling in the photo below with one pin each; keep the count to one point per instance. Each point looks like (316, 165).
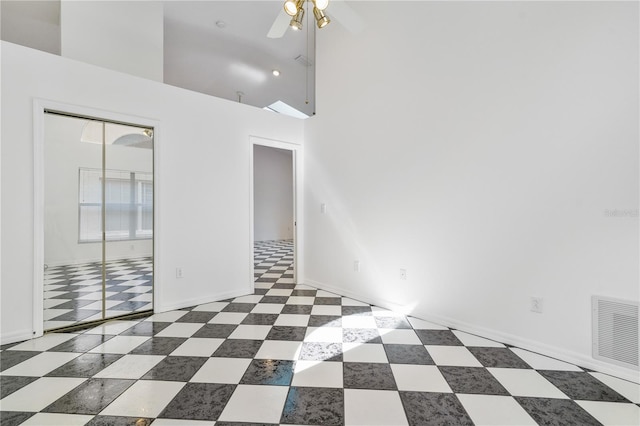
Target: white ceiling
(199, 55)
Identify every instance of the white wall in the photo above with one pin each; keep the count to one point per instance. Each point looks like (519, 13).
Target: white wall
(124, 36)
(479, 145)
(273, 193)
(202, 147)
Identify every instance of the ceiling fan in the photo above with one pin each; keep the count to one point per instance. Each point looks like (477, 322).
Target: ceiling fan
(293, 11)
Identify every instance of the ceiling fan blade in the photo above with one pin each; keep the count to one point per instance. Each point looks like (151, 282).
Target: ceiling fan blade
(280, 25)
(345, 14)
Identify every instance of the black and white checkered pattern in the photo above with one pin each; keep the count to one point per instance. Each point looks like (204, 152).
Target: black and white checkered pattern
(73, 293)
(293, 354)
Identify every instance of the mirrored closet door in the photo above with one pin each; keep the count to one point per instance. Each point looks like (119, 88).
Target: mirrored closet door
(98, 227)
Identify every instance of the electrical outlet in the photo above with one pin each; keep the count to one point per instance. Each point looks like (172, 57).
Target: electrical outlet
(356, 266)
(179, 273)
(537, 304)
(403, 274)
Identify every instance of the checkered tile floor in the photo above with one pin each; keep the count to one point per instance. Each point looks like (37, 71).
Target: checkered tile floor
(292, 354)
(73, 293)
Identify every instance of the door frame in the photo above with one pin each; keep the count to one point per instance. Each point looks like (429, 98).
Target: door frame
(296, 155)
(40, 106)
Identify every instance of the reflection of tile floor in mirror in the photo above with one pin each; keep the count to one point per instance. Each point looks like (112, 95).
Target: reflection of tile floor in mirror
(73, 293)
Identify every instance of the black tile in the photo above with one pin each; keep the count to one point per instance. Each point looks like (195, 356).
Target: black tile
(91, 397)
(266, 280)
(268, 372)
(314, 406)
(146, 328)
(10, 358)
(81, 343)
(438, 337)
(498, 358)
(10, 384)
(122, 296)
(176, 368)
(260, 319)
(12, 418)
(199, 401)
(159, 346)
(280, 300)
(297, 309)
(556, 412)
(197, 317)
(239, 307)
(437, 409)
(238, 348)
(280, 332)
(474, 380)
(312, 351)
(368, 375)
(308, 293)
(356, 311)
(408, 354)
(325, 321)
(76, 315)
(215, 331)
(361, 335)
(86, 365)
(9, 345)
(260, 292)
(119, 421)
(129, 305)
(392, 322)
(73, 304)
(327, 301)
(284, 286)
(582, 386)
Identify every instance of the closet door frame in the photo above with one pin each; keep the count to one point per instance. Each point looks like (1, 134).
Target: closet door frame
(40, 107)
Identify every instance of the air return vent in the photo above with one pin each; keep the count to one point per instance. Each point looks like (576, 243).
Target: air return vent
(615, 331)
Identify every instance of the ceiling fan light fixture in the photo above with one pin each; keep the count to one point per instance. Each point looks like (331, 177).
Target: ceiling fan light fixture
(321, 19)
(321, 4)
(296, 22)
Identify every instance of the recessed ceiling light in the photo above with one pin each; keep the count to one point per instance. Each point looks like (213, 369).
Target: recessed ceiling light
(221, 24)
(276, 72)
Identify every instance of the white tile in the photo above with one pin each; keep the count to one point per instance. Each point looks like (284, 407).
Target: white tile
(373, 407)
(322, 374)
(292, 320)
(363, 352)
(251, 332)
(279, 292)
(120, 345)
(419, 378)
(453, 355)
(271, 275)
(170, 316)
(262, 285)
(322, 293)
(52, 303)
(351, 302)
(267, 308)
(304, 287)
(211, 307)
(326, 310)
(145, 398)
(251, 298)
(324, 334)
(381, 312)
(278, 349)
(43, 343)
(112, 327)
(52, 294)
(222, 370)
(228, 318)
(97, 305)
(180, 329)
(419, 324)
(40, 364)
(52, 313)
(526, 383)
(278, 268)
(39, 394)
(266, 404)
(358, 321)
(285, 281)
(541, 362)
(138, 289)
(147, 297)
(180, 422)
(495, 410)
(613, 413)
(472, 340)
(300, 300)
(130, 367)
(399, 336)
(55, 419)
(629, 390)
(125, 277)
(198, 347)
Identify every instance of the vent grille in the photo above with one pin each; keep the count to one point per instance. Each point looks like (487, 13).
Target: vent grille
(615, 331)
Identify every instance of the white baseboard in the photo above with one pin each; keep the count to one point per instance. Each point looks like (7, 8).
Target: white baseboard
(201, 300)
(530, 345)
(16, 336)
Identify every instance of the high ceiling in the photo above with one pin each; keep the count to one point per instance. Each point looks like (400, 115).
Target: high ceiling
(215, 47)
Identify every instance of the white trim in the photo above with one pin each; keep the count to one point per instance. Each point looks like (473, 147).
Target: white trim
(530, 345)
(39, 107)
(297, 155)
